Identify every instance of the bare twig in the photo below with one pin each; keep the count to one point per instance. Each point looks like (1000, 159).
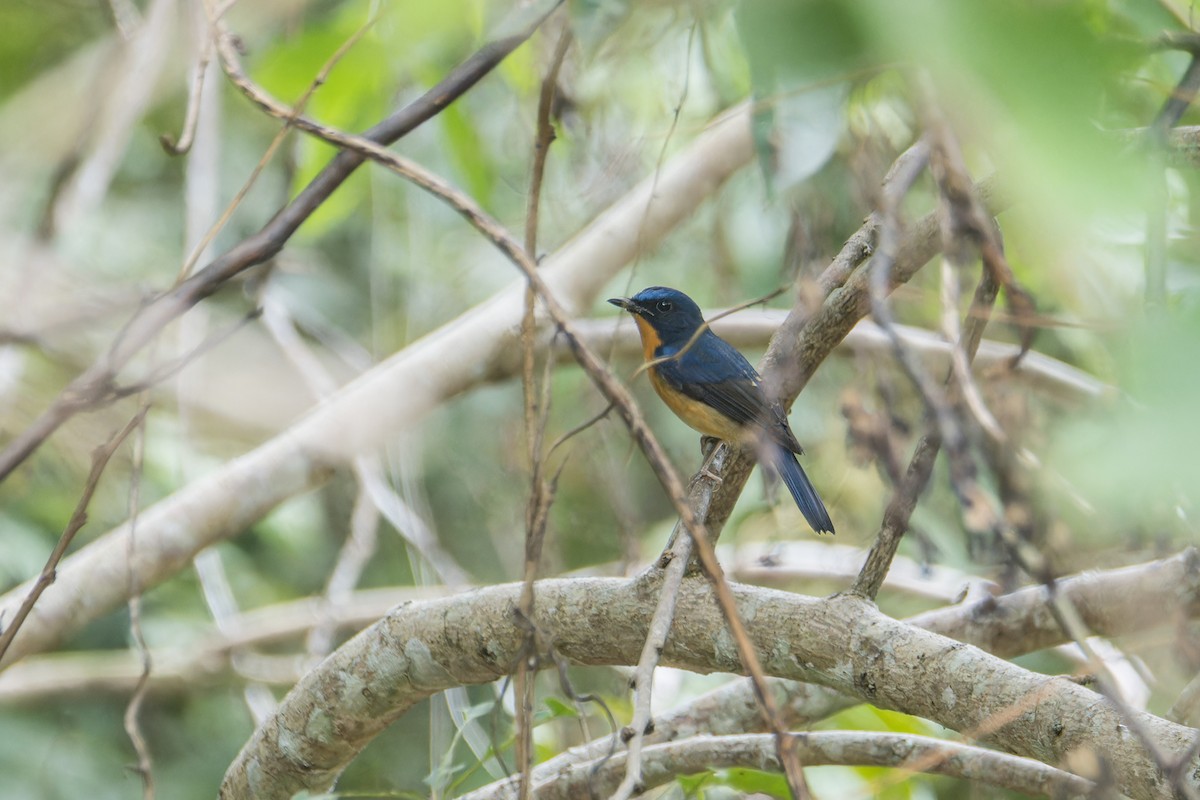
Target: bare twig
(204, 50)
(541, 490)
(1156, 218)
(164, 372)
(100, 459)
(352, 559)
(133, 728)
(643, 677)
(366, 470)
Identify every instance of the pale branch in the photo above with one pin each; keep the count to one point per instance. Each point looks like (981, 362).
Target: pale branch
(1109, 602)
(207, 659)
(390, 398)
(906, 753)
(1113, 602)
(659, 628)
(754, 328)
(842, 642)
(783, 564)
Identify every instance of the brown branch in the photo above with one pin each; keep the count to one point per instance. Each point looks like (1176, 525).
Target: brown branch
(542, 491)
(192, 114)
(100, 459)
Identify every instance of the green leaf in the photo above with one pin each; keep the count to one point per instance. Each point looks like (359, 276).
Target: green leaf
(560, 709)
(755, 781)
(693, 785)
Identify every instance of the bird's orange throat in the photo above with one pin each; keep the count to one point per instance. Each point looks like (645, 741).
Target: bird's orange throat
(650, 338)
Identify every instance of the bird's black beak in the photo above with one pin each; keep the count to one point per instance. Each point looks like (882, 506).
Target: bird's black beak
(625, 303)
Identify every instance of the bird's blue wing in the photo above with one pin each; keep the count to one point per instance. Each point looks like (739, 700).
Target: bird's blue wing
(715, 373)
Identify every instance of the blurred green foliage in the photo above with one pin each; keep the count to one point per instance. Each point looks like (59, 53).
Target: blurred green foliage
(1031, 89)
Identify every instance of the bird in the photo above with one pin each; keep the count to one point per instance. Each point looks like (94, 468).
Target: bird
(709, 385)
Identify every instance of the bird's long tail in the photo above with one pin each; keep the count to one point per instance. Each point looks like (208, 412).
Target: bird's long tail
(803, 492)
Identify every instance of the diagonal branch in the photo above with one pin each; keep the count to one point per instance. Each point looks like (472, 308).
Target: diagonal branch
(100, 459)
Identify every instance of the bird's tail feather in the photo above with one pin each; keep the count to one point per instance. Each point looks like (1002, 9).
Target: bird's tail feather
(802, 490)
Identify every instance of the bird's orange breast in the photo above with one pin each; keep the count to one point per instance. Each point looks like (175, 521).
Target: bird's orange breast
(699, 416)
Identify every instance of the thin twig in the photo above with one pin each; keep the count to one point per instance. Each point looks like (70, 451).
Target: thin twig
(192, 115)
(100, 459)
(1156, 217)
(133, 728)
(643, 677)
(164, 372)
(352, 559)
(541, 490)
(905, 753)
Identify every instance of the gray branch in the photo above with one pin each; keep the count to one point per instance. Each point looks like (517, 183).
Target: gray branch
(843, 643)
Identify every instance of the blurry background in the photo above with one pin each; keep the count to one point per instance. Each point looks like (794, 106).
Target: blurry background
(96, 218)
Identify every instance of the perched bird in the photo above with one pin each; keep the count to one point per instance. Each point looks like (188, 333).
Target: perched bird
(714, 389)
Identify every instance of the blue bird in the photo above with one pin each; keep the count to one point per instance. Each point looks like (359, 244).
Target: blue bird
(714, 389)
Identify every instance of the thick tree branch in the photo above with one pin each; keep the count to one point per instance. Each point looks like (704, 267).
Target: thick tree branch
(843, 643)
(1108, 600)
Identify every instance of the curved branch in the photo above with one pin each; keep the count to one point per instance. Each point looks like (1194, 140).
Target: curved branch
(843, 643)
(664, 763)
(1007, 626)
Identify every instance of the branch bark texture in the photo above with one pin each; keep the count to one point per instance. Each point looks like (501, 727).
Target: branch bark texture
(843, 643)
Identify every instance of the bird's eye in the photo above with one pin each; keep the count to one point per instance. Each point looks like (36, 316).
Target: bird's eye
(664, 306)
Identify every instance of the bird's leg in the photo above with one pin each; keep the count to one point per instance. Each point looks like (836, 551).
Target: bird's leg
(708, 448)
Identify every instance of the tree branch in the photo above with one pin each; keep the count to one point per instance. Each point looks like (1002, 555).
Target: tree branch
(664, 763)
(842, 642)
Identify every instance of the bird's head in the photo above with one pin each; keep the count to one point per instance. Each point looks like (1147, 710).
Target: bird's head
(669, 313)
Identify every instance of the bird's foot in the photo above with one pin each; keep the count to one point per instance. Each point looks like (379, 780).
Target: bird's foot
(706, 473)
